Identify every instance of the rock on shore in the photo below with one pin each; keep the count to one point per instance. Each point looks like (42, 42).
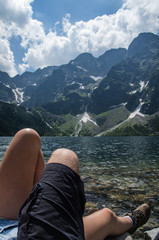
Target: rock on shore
(152, 234)
(149, 235)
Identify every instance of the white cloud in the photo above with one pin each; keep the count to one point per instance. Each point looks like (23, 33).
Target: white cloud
(23, 67)
(6, 58)
(16, 20)
(15, 11)
(32, 34)
(95, 36)
(142, 15)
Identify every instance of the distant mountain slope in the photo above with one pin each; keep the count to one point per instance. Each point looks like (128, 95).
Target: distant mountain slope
(144, 44)
(100, 66)
(13, 118)
(33, 78)
(81, 75)
(133, 81)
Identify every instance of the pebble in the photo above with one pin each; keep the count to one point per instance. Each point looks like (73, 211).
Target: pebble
(150, 235)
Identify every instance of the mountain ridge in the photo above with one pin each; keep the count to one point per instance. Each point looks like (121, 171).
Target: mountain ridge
(120, 79)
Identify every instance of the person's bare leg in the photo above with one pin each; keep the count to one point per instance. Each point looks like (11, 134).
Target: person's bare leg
(65, 157)
(103, 223)
(20, 169)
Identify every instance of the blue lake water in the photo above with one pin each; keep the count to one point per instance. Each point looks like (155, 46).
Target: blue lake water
(118, 172)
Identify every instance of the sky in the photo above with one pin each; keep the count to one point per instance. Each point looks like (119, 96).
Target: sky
(39, 33)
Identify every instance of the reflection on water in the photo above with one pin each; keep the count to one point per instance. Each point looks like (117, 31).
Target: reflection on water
(119, 172)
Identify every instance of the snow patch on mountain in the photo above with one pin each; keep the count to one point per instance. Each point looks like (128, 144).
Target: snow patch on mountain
(96, 78)
(137, 111)
(121, 104)
(82, 68)
(143, 85)
(82, 87)
(133, 92)
(131, 116)
(84, 119)
(87, 118)
(48, 125)
(6, 85)
(18, 93)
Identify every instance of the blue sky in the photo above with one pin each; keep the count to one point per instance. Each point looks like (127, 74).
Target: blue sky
(39, 33)
(51, 11)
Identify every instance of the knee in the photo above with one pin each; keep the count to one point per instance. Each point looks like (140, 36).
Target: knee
(110, 216)
(28, 132)
(66, 157)
(65, 154)
(28, 135)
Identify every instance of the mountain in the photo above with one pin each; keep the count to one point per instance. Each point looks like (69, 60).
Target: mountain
(49, 84)
(6, 93)
(144, 44)
(99, 66)
(13, 118)
(21, 87)
(116, 93)
(133, 81)
(81, 76)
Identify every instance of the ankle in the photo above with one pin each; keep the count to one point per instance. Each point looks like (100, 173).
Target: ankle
(130, 220)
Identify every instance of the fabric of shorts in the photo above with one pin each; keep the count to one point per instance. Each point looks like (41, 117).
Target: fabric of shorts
(8, 229)
(55, 207)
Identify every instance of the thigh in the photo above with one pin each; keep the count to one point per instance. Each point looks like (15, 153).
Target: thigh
(55, 207)
(21, 166)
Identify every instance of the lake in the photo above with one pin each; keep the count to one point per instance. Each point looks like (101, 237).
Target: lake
(118, 172)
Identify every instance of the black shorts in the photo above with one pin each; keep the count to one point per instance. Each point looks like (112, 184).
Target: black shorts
(55, 208)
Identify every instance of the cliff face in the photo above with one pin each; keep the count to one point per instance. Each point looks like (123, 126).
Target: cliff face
(133, 80)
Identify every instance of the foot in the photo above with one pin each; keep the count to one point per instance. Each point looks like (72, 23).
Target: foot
(139, 217)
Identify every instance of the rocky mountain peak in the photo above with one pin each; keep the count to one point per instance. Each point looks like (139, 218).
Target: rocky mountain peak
(145, 43)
